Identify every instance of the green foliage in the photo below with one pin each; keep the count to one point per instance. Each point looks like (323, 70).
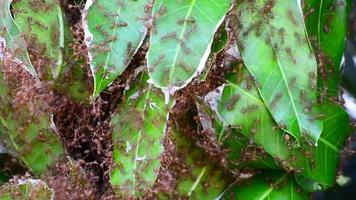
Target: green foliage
(26, 131)
(201, 178)
(240, 96)
(220, 42)
(49, 33)
(241, 152)
(306, 184)
(30, 134)
(139, 128)
(26, 189)
(116, 30)
(325, 22)
(3, 178)
(181, 38)
(263, 115)
(14, 42)
(269, 185)
(285, 76)
(45, 29)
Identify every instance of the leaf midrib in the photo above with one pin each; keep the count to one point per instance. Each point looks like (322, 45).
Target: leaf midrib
(109, 53)
(139, 138)
(319, 20)
(279, 64)
(181, 35)
(284, 80)
(270, 189)
(246, 93)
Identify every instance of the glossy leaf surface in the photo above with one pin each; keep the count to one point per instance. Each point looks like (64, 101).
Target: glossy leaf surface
(115, 31)
(274, 48)
(139, 128)
(181, 39)
(326, 21)
(242, 107)
(271, 186)
(307, 184)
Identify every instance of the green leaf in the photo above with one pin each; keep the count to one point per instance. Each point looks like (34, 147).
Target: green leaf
(275, 50)
(202, 179)
(269, 185)
(324, 159)
(115, 31)
(240, 152)
(3, 177)
(244, 155)
(26, 189)
(181, 39)
(41, 22)
(221, 40)
(25, 123)
(242, 107)
(73, 80)
(326, 21)
(307, 184)
(11, 38)
(139, 128)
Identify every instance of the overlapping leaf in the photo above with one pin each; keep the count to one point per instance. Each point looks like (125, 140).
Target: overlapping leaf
(240, 152)
(115, 31)
(26, 126)
(11, 38)
(41, 22)
(221, 40)
(269, 185)
(139, 128)
(326, 22)
(72, 80)
(26, 189)
(242, 107)
(181, 38)
(306, 184)
(275, 50)
(46, 29)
